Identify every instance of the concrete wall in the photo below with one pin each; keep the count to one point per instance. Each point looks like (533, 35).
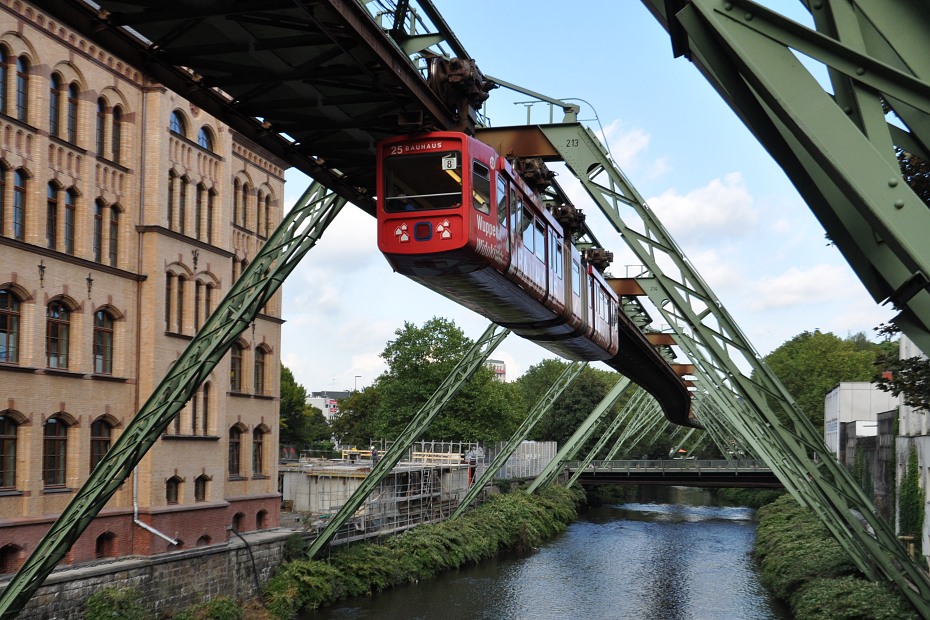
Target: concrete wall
(165, 583)
(852, 401)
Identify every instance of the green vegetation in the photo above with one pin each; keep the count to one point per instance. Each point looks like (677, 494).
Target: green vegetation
(751, 498)
(114, 604)
(515, 521)
(803, 565)
(302, 426)
(911, 502)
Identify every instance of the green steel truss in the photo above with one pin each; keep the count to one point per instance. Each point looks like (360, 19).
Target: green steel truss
(296, 235)
(581, 435)
(755, 404)
(544, 404)
(473, 359)
(642, 412)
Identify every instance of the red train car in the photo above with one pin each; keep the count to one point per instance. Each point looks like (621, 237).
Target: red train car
(454, 216)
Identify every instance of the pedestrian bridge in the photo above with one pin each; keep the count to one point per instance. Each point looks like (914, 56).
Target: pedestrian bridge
(682, 472)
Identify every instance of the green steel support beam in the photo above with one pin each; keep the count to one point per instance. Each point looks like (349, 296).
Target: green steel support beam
(638, 411)
(296, 235)
(580, 436)
(544, 404)
(599, 445)
(470, 362)
(777, 431)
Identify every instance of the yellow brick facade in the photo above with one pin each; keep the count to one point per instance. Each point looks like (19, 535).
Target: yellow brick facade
(131, 212)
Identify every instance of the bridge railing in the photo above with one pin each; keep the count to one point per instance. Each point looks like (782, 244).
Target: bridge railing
(673, 466)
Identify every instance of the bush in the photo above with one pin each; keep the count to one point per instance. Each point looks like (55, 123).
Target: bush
(114, 604)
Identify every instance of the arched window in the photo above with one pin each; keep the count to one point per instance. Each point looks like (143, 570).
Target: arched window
(22, 88)
(198, 288)
(244, 212)
(101, 126)
(116, 134)
(101, 433)
(70, 215)
(261, 519)
(177, 124)
(106, 545)
(98, 230)
(259, 376)
(9, 327)
(73, 94)
(103, 343)
(182, 204)
(235, 368)
(259, 207)
(54, 452)
(11, 558)
(258, 452)
(238, 520)
(19, 204)
(235, 441)
(237, 196)
(173, 490)
(200, 488)
(211, 199)
(3, 78)
(171, 182)
(267, 214)
(113, 253)
(9, 429)
(207, 389)
(169, 288)
(179, 315)
(57, 334)
(208, 301)
(54, 105)
(205, 138)
(51, 217)
(203, 541)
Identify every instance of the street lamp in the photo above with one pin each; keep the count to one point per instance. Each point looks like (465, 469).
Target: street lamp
(357, 377)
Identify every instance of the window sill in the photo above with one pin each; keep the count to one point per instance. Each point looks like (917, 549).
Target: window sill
(190, 437)
(57, 490)
(177, 335)
(11, 493)
(98, 377)
(16, 368)
(263, 396)
(260, 477)
(63, 372)
(238, 479)
(239, 394)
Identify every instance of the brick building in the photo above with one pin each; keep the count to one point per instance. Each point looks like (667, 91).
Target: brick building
(125, 214)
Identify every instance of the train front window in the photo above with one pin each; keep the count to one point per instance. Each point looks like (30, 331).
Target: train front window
(423, 181)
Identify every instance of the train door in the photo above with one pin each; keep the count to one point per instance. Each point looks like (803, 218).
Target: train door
(502, 189)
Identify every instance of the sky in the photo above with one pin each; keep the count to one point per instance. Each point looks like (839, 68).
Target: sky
(725, 201)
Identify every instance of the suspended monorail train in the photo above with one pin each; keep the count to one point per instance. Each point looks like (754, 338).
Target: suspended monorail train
(454, 216)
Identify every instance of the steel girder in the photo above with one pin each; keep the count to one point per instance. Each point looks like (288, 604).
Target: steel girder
(544, 404)
(761, 407)
(837, 148)
(599, 445)
(296, 235)
(580, 436)
(473, 359)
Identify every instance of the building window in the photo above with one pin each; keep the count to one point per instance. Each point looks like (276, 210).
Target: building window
(54, 105)
(244, 211)
(195, 409)
(114, 236)
(169, 287)
(173, 490)
(267, 208)
(19, 204)
(103, 343)
(199, 192)
(259, 207)
(207, 388)
(200, 488)
(70, 199)
(100, 437)
(171, 179)
(3, 184)
(179, 318)
(237, 196)
(54, 452)
(208, 301)
(106, 545)
(177, 124)
(237, 520)
(205, 138)
(98, 230)
(11, 558)
(101, 126)
(3, 79)
(211, 198)
(235, 368)
(22, 88)
(198, 287)
(72, 113)
(116, 135)
(259, 371)
(51, 217)
(8, 432)
(9, 327)
(258, 452)
(235, 439)
(57, 332)
(182, 204)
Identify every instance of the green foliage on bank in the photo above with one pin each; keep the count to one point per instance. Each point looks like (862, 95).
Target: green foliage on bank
(805, 567)
(911, 502)
(515, 521)
(114, 604)
(751, 498)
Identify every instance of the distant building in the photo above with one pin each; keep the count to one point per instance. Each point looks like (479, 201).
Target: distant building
(853, 401)
(329, 406)
(499, 368)
(914, 431)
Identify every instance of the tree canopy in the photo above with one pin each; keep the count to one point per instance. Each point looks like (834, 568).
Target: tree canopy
(301, 424)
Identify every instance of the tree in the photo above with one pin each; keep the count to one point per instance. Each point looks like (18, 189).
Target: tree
(301, 424)
(352, 425)
(418, 360)
(909, 377)
(813, 363)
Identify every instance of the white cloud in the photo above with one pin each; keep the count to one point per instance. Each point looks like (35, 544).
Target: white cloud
(722, 208)
(803, 286)
(625, 145)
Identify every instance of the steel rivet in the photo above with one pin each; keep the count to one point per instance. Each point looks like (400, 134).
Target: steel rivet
(860, 71)
(892, 182)
(748, 17)
(727, 6)
(899, 204)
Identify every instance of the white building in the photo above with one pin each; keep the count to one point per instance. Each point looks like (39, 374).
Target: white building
(913, 430)
(853, 401)
(329, 406)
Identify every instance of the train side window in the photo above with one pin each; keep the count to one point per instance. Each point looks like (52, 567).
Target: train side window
(481, 187)
(559, 260)
(541, 240)
(576, 278)
(526, 228)
(502, 200)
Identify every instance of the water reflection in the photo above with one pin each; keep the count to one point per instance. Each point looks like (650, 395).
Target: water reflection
(670, 555)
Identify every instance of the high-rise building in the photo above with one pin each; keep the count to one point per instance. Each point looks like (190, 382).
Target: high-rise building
(125, 215)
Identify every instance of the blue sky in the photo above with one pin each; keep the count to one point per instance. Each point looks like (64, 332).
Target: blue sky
(725, 201)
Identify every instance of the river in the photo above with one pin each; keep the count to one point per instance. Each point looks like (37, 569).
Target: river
(671, 554)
